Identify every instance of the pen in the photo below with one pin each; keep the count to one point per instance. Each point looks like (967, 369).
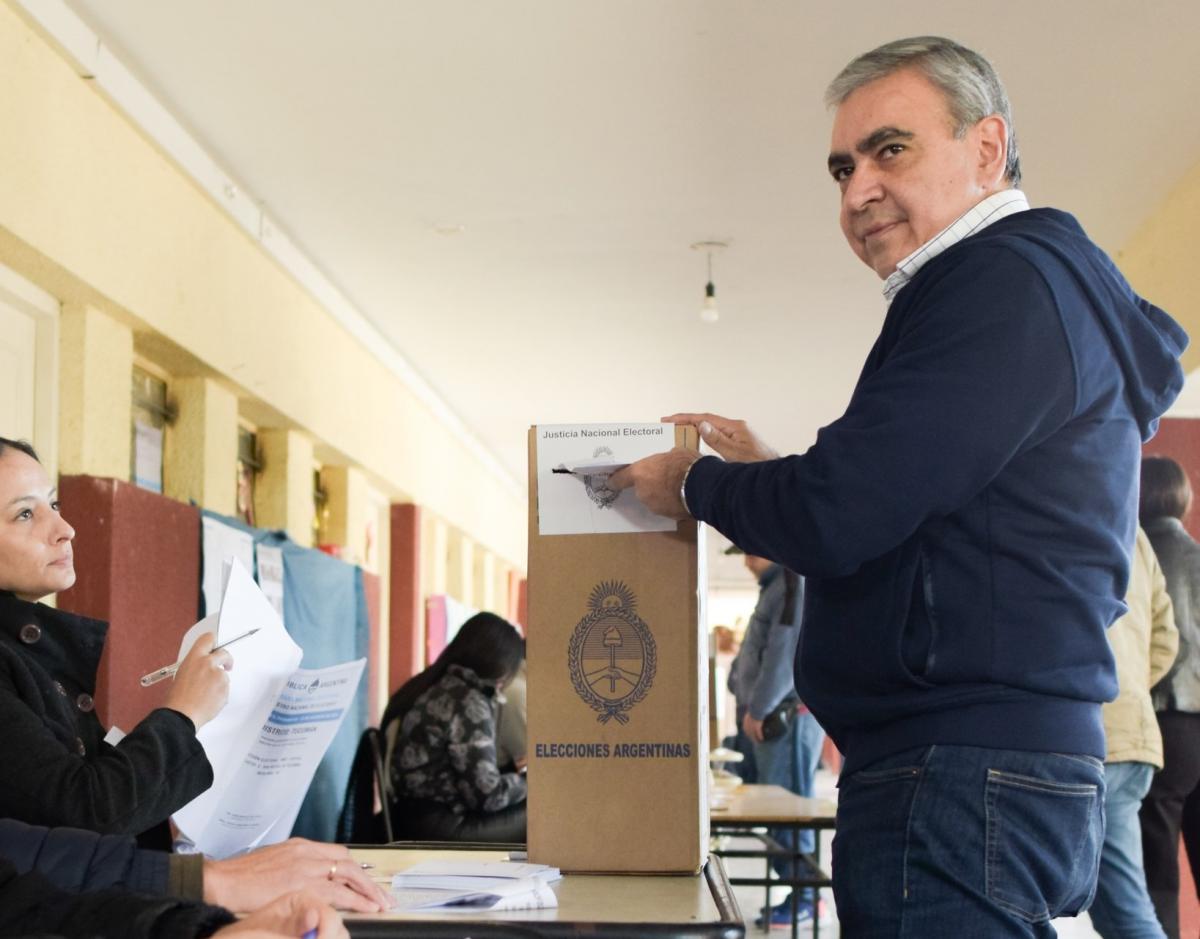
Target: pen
(168, 671)
(311, 934)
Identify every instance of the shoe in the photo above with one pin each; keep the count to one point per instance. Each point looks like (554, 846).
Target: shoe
(780, 915)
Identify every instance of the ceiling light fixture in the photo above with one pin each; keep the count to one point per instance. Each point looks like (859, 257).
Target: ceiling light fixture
(708, 310)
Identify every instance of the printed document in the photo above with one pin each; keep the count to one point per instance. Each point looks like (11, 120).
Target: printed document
(472, 886)
(265, 744)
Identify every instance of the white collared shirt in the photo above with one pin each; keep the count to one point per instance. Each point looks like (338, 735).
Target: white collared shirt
(995, 207)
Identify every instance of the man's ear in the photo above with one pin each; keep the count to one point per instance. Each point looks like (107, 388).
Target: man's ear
(991, 136)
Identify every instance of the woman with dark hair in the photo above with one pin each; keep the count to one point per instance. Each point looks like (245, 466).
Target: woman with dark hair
(441, 729)
(57, 768)
(1172, 806)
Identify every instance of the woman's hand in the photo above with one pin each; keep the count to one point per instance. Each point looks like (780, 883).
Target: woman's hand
(201, 685)
(291, 916)
(326, 871)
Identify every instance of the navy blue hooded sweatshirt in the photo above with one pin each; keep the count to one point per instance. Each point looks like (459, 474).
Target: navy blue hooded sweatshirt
(966, 525)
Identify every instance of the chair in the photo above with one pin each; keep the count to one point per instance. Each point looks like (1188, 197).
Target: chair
(359, 823)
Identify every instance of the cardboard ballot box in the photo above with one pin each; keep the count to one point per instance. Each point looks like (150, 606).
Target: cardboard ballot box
(617, 664)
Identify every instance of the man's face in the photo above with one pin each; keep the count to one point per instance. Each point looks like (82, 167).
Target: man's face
(35, 541)
(902, 173)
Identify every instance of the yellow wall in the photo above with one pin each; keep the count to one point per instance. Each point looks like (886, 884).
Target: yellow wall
(1160, 259)
(91, 211)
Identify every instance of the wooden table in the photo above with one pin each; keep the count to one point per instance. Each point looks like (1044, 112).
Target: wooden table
(600, 906)
(751, 808)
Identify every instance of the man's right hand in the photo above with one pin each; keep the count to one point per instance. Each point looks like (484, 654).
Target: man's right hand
(201, 686)
(328, 871)
(733, 440)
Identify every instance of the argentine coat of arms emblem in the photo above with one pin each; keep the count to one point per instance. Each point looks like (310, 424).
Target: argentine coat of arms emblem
(611, 655)
(597, 487)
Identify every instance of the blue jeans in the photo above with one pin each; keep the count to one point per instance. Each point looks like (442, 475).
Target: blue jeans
(1122, 909)
(952, 842)
(791, 761)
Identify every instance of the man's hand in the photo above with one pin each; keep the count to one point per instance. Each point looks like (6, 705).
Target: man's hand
(752, 728)
(327, 871)
(289, 917)
(656, 481)
(733, 440)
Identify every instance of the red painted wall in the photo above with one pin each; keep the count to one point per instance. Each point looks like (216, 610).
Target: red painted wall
(405, 618)
(137, 561)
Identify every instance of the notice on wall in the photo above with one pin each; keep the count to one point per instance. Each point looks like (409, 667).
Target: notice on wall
(269, 561)
(574, 463)
(220, 545)
(147, 456)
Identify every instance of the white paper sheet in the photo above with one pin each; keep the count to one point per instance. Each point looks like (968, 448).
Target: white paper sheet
(570, 504)
(527, 894)
(448, 874)
(221, 544)
(147, 456)
(262, 665)
(260, 804)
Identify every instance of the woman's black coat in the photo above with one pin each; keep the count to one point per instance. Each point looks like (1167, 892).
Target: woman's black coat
(55, 768)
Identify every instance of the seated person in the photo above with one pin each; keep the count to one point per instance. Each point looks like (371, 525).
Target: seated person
(79, 861)
(511, 722)
(31, 905)
(57, 768)
(441, 728)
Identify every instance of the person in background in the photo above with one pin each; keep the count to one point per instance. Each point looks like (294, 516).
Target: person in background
(1144, 642)
(964, 527)
(441, 728)
(1172, 806)
(511, 720)
(730, 647)
(785, 737)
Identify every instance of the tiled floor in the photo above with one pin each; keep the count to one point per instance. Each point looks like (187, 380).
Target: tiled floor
(750, 899)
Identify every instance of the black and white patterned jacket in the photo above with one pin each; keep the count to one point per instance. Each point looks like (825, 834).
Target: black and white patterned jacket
(446, 748)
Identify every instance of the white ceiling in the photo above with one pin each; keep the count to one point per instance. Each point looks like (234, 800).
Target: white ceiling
(582, 145)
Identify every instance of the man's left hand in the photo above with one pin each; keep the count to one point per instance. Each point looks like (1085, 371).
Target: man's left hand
(656, 481)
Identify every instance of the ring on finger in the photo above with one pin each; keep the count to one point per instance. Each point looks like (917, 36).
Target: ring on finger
(333, 870)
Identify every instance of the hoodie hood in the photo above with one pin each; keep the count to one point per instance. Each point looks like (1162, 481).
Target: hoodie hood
(1145, 340)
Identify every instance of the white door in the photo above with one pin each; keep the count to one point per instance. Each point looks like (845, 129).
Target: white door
(18, 353)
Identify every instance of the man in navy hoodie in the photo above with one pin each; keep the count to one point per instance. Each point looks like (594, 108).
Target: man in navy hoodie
(965, 527)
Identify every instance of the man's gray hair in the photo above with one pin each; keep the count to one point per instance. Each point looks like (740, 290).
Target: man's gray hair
(972, 88)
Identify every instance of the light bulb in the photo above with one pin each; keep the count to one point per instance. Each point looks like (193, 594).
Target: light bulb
(709, 312)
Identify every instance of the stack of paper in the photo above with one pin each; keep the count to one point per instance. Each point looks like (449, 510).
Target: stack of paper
(472, 886)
